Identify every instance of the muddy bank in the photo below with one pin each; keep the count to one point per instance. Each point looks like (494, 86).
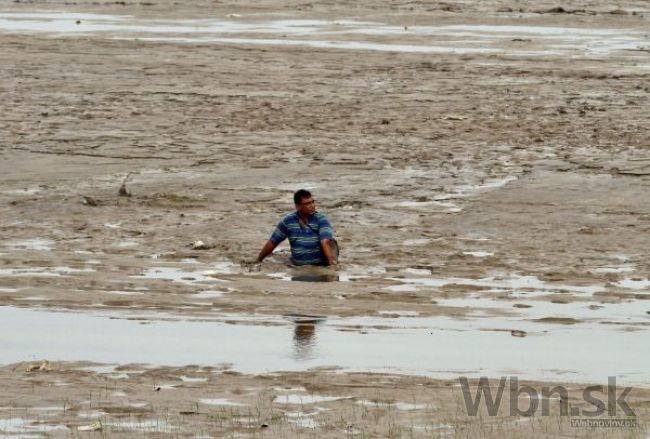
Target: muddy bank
(67, 398)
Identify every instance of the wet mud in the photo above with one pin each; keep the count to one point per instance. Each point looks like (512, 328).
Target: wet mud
(485, 166)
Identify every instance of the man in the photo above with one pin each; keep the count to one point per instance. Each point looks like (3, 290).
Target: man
(309, 232)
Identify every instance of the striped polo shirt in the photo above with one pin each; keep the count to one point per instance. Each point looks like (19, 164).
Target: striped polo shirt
(305, 241)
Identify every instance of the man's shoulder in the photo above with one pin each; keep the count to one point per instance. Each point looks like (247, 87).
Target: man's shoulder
(289, 218)
(320, 216)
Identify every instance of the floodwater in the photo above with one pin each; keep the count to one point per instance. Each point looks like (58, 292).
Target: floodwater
(335, 34)
(435, 346)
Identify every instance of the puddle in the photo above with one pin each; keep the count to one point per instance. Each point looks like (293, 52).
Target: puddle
(303, 422)
(42, 271)
(94, 414)
(100, 369)
(513, 283)
(445, 206)
(406, 406)
(125, 244)
(39, 244)
(20, 425)
(126, 293)
(334, 34)
(211, 294)
(479, 254)
(417, 241)
(320, 274)
(153, 425)
(622, 269)
(187, 379)
(26, 191)
(631, 312)
(434, 346)
(634, 284)
(186, 277)
(220, 402)
(300, 399)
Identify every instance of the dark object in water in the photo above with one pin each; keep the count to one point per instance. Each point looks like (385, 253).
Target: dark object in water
(89, 201)
(315, 278)
(305, 319)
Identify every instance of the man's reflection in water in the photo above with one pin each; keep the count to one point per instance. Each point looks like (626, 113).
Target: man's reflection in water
(304, 340)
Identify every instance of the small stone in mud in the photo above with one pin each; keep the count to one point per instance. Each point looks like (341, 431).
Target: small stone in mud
(518, 333)
(200, 245)
(43, 367)
(89, 201)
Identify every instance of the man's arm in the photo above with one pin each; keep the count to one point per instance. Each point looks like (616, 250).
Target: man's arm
(268, 248)
(327, 250)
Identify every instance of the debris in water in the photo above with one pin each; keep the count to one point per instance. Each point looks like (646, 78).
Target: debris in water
(95, 426)
(518, 333)
(200, 245)
(124, 192)
(42, 367)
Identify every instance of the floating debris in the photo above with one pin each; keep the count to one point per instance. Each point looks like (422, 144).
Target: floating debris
(95, 426)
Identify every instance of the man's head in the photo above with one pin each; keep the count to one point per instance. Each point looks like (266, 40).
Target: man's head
(305, 204)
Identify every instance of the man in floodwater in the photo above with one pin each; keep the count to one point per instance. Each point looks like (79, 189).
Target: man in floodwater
(309, 232)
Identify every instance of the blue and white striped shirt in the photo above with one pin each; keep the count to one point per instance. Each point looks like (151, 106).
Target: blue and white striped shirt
(305, 241)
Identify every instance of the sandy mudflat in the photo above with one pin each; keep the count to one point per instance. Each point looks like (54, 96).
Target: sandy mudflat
(486, 166)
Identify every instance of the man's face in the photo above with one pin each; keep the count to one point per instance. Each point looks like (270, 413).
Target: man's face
(307, 206)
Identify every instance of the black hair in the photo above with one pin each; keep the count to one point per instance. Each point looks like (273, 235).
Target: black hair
(300, 195)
